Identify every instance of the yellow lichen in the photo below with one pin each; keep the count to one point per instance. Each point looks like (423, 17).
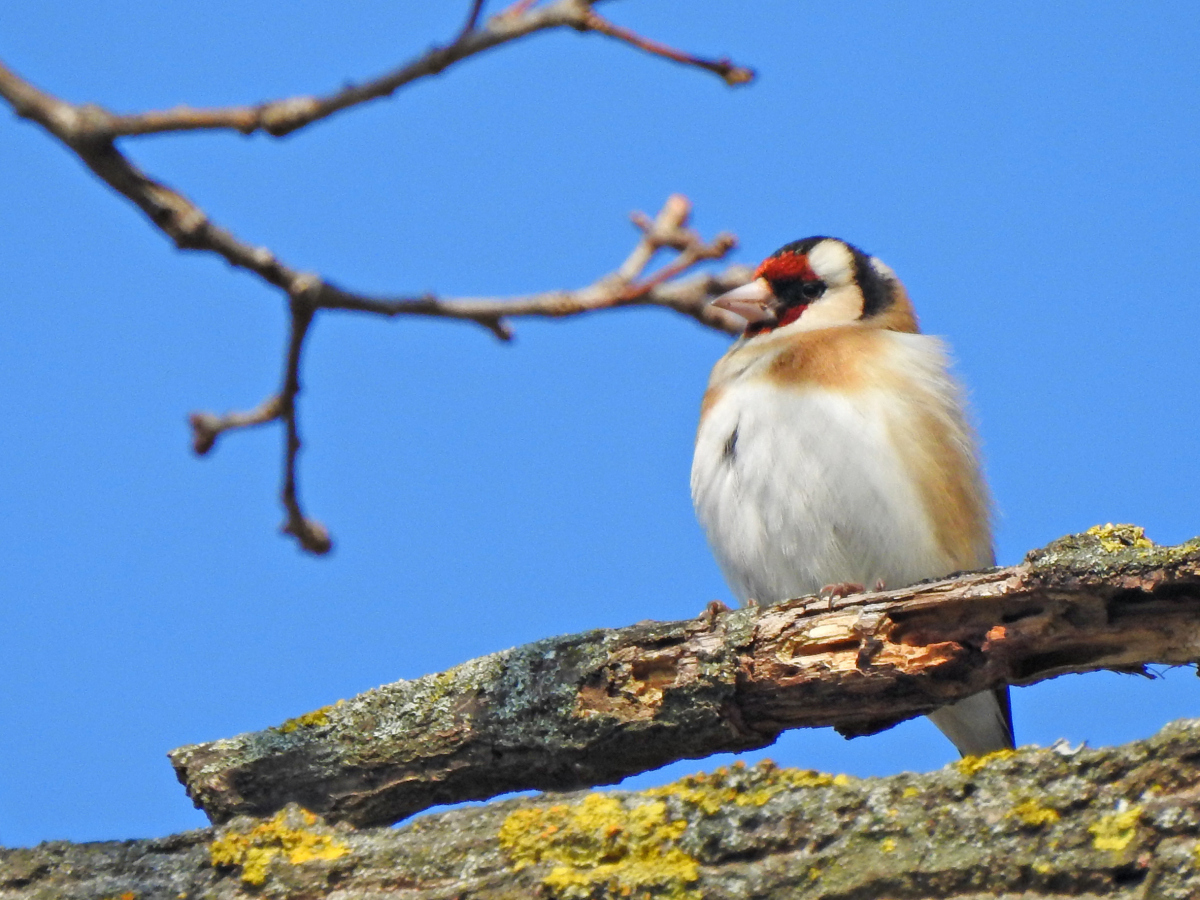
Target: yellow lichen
(310, 719)
(603, 844)
(888, 845)
(1120, 537)
(1043, 868)
(1116, 831)
(910, 792)
(1032, 813)
(742, 786)
(626, 847)
(289, 835)
(971, 765)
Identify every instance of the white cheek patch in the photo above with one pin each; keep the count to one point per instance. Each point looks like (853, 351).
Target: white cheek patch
(833, 263)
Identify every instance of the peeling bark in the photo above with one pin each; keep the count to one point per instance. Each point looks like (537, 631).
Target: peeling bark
(1049, 824)
(590, 709)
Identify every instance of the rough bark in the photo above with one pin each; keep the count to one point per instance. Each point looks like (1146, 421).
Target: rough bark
(589, 709)
(1057, 823)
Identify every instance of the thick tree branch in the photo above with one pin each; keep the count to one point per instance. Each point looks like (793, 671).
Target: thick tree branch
(590, 709)
(1115, 823)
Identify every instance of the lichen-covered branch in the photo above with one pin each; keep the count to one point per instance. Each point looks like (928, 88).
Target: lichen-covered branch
(90, 131)
(1115, 823)
(590, 709)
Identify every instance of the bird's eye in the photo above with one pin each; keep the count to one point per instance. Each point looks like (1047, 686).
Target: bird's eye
(812, 289)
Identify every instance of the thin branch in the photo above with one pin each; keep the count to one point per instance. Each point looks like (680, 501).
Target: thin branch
(515, 9)
(207, 427)
(89, 131)
(589, 709)
(623, 287)
(282, 117)
(472, 18)
(690, 297)
(732, 74)
(311, 534)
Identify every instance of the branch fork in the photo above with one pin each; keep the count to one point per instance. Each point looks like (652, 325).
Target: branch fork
(90, 131)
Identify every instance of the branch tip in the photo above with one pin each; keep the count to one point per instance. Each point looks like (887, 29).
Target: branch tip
(310, 534)
(735, 75)
(205, 429)
(729, 72)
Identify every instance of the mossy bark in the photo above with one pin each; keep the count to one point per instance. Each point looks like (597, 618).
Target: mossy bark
(1113, 823)
(585, 710)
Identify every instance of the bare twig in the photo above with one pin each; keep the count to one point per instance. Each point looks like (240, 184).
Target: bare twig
(472, 18)
(207, 427)
(282, 117)
(624, 287)
(89, 131)
(588, 709)
(732, 74)
(515, 9)
(310, 533)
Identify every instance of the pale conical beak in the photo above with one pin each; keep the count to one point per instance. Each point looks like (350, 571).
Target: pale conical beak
(751, 301)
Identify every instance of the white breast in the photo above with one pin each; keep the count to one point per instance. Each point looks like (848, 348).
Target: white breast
(798, 488)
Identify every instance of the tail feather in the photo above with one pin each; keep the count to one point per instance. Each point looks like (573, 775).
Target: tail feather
(979, 724)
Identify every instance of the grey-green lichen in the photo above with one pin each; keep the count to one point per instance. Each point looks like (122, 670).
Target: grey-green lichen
(592, 708)
(1115, 538)
(1118, 823)
(1110, 549)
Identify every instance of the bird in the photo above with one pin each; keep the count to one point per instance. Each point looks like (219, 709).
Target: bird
(834, 449)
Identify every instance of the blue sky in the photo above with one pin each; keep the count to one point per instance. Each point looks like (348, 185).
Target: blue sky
(1029, 170)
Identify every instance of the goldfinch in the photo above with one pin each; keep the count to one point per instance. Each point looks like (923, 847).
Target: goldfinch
(833, 449)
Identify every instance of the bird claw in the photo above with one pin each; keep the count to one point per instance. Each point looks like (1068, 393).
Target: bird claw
(714, 609)
(839, 590)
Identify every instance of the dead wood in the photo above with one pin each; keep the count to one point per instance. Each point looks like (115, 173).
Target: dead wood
(590, 709)
(1115, 823)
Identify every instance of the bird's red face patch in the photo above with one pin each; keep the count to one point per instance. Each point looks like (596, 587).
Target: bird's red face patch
(786, 267)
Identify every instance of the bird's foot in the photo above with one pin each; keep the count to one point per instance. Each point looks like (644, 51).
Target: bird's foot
(714, 609)
(839, 590)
